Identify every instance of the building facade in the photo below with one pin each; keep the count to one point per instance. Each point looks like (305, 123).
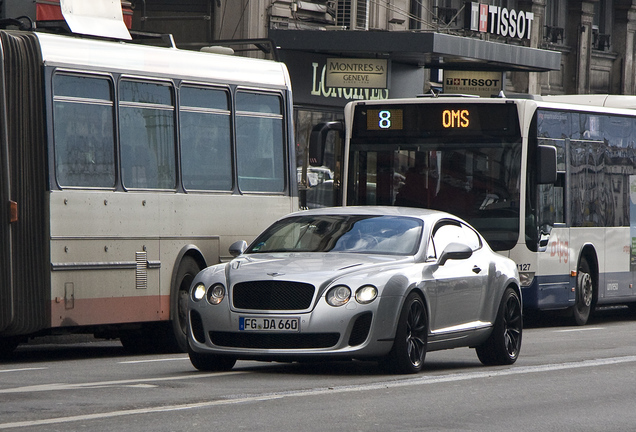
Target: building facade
(339, 50)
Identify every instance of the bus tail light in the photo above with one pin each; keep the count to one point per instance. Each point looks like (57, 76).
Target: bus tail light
(13, 211)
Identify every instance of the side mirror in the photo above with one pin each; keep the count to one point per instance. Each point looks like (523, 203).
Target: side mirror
(546, 164)
(318, 140)
(455, 251)
(238, 247)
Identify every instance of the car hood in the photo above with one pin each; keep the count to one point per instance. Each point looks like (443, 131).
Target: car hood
(313, 268)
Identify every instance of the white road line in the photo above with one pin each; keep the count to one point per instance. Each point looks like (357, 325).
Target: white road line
(22, 369)
(65, 386)
(422, 380)
(153, 360)
(579, 329)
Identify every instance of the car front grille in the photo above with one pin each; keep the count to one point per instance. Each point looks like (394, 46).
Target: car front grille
(272, 295)
(274, 340)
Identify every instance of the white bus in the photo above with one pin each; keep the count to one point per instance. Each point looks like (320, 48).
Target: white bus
(124, 170)
(549, 181)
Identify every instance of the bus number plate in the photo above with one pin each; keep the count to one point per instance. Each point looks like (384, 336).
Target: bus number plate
(269, 324)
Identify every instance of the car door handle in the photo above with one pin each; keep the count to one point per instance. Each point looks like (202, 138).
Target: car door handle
(476, 270)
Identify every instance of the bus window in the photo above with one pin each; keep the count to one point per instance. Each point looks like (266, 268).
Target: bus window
(146, 131)
(206, 148)
(259, 142)
(83, 131)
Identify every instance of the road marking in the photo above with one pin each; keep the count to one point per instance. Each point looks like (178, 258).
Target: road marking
(153, 360)
(422, 380)
(22, 369)
(65, 386)
(579, 329)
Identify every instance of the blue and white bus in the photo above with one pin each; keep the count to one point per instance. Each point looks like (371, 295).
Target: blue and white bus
(549, 181)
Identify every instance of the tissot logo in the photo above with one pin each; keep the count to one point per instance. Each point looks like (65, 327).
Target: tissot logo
(473, 82)
(499, 20)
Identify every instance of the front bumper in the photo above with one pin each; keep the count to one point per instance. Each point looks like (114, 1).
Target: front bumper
(350, 331)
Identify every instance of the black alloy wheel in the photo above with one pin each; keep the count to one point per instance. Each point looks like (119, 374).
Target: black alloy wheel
(504, 343)
(409, 347)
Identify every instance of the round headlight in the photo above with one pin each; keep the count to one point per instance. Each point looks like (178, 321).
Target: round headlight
(366, 294)
(216, 294)
(338, 295)
(198, 292)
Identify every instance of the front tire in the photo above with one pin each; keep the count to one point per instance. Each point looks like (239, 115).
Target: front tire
(504, 343)
(210, 362)
(411, 336)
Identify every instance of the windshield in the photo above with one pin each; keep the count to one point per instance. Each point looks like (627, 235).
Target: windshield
(475, 179)
(387, 235)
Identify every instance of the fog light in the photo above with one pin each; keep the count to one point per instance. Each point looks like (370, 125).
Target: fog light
(198, 292)
(339, 295)
(366, 294)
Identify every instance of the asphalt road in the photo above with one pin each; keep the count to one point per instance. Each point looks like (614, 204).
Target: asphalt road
(566, 379)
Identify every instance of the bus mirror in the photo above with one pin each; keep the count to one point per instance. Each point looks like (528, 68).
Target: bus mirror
(547, 165)
(318, 140)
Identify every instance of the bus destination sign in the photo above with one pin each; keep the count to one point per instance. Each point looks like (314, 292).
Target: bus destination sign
(434, 119)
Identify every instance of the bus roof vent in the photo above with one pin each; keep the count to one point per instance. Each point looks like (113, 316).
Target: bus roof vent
(95, 18)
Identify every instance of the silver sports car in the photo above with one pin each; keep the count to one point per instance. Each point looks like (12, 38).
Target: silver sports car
(378, 283)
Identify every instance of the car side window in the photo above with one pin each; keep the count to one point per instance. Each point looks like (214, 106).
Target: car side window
(447, 232)
(471, 238)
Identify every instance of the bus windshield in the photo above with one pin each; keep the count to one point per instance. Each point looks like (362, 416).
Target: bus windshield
(472, 175)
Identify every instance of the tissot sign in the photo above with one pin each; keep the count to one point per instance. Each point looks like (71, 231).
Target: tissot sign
(484, 84)
(498, 20)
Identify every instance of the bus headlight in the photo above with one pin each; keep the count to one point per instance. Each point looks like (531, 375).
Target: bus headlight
(526, 278)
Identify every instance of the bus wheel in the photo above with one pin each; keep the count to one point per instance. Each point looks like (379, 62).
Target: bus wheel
(188, 269)
(584, 294)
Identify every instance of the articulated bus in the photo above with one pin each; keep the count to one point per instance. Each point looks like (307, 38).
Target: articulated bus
(549, 181)
(124, 170)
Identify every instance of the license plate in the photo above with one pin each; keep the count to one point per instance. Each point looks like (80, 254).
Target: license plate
(269, 324)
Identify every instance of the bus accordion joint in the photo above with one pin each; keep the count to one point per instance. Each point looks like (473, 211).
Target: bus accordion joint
(13, 211)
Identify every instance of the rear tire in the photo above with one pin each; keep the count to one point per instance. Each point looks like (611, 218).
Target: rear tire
(411, 336)
(504, 343)
(584, 294)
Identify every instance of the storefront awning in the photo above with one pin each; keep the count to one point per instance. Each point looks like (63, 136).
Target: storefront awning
(425, 49)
